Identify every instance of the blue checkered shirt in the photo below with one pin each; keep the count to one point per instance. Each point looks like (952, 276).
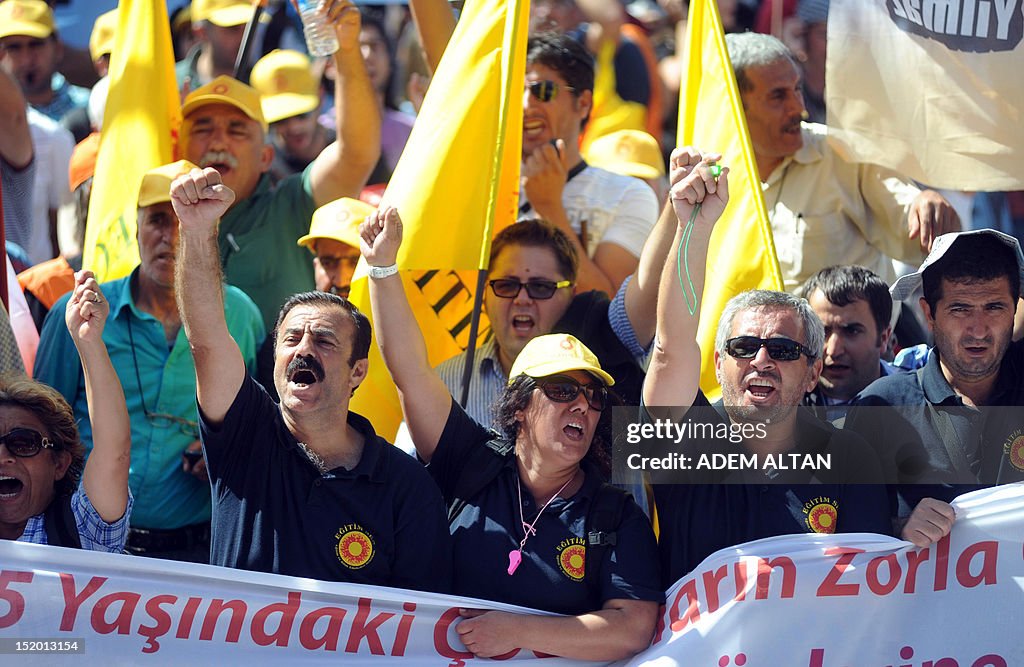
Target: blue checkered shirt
(95, 533)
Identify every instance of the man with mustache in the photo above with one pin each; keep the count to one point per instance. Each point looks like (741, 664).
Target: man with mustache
(942, 436)
(768, 351)
(823, 209)
(151, 355)
(304, 487)
(224, 128)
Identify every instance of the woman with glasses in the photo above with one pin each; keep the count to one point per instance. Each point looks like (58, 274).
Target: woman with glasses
(48, 494)
(523, 503)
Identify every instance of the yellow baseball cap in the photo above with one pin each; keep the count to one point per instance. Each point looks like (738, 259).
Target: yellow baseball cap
(225, 90)
(627, 152)
(225, 13)
(338, 220)
(33, 18)
(286, 83)
(156, 183)
(101, 41)
(557, 353)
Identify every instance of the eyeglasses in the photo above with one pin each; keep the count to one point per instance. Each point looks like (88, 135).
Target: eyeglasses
(564, 389)
(159, 419)
(509, 288)
(25, 442)
(779, 349)
(546, 90)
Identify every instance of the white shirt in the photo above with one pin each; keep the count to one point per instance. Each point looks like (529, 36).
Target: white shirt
(52, 145)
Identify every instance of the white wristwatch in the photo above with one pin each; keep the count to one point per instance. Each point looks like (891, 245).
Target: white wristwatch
(378, 272)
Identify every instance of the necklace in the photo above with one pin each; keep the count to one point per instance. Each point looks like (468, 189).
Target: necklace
(515, 557)
(315, 458)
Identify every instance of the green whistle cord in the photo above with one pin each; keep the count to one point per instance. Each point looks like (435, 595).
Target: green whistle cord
(683, 255)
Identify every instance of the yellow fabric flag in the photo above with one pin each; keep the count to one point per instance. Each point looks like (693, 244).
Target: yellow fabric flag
(140, 126)
(742, 253)
(456, 184)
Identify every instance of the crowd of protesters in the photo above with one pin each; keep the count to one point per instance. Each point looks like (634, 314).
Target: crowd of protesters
(198, 409)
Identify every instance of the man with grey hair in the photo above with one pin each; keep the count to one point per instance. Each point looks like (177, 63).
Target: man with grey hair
(825, 210)
(768, 353)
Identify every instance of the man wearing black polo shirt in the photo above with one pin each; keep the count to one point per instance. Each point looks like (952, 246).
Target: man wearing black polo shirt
(767, 355)
(306, 487)
(943, 438)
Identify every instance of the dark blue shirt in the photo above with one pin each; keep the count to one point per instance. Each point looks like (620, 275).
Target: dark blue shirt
(931, 443)
(551, 575)
(697, 519)
(381, 523)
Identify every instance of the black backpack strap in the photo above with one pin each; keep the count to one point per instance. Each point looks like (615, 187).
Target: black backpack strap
(602, 526)
(482, 467)
(61, 527)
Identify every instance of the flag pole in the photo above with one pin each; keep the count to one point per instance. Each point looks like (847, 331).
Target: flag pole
(247, 39)
(474, 326)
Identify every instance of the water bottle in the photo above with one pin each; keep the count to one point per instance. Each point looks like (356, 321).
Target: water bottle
(320, 37)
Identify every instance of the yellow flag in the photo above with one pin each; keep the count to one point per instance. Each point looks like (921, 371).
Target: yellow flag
(742, 253)
(456, 184)
(140, 126)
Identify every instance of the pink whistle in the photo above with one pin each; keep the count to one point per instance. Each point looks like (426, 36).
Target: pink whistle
(515, 557)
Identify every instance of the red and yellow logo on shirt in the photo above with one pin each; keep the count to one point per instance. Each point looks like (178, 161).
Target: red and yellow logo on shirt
(1014, 450)
(821, 515)
(572, 558)
(355, 546)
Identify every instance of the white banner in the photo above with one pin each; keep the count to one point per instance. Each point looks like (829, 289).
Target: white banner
(858, 600)
(929, 88)
(793, 601)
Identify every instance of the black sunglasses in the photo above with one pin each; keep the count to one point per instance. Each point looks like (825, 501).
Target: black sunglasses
(564, 389)
(779, 349)
(25, 442)
(546, 90)
(508, 288)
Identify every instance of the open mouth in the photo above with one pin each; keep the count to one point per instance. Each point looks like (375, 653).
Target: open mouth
(304, 371)
(574, 431)
(522, 323)
(222, 161)
(760, 389)
(10, 487)
(533, 127)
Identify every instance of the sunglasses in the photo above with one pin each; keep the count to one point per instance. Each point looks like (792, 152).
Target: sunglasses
(25, 442)
(509, 288)
(564, 389)
(779, 349)
(546, 90)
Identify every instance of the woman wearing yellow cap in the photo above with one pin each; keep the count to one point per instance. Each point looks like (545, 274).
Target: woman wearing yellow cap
(527, 507)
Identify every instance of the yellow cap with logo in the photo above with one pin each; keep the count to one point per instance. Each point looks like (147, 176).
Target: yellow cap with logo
(557, 353)
(286, 83)
(156, 183)
(226, 90)
(338, 220)
(32, 18)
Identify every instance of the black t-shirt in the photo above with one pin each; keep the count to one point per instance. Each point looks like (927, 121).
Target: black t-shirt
(382, 523)
(697, 519)
(551, 575)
